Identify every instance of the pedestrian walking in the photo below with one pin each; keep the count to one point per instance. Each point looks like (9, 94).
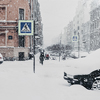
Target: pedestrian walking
(41, 57)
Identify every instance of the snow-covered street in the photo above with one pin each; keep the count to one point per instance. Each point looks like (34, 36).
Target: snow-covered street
(18, 82)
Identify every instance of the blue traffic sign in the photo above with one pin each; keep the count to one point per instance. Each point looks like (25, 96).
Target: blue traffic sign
(25, 27)
(74, 38)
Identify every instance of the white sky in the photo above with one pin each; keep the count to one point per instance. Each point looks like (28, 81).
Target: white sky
(56, 14)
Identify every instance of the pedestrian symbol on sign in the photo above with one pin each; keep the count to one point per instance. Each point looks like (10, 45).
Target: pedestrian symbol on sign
(75, 38)
(25, 28)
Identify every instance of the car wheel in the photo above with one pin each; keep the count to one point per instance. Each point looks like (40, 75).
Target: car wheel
(96, 85)
(69, 84)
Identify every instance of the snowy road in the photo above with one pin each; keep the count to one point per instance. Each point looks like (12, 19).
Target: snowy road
(18, 82)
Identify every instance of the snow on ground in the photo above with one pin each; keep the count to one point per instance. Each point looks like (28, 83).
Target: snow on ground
(19, 82)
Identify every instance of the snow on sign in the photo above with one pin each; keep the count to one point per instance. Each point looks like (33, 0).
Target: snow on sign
(25, 27)
(75, 38)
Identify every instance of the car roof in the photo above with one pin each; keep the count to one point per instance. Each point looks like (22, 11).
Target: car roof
(0, 54)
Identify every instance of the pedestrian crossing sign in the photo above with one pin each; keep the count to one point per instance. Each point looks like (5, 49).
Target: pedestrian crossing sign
(75, 38)
(25, 27)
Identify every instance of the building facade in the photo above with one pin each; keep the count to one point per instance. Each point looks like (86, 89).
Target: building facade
(81, 23)
(86, 37)
(36, 16)
(95, 25)
(13, 46)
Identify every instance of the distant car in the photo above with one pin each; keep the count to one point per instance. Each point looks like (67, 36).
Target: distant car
(63, 57)
(89, 81)
(1, 58)
(47, 56)
(74, 55)
(54, 54)
(30, 55)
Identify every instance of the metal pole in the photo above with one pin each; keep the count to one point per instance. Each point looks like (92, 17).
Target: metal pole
(60, 48)
(6, 36)
(34, 49)
(78, 45)
(31, 36)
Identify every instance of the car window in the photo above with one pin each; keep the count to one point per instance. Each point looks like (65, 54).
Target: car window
(95, 73)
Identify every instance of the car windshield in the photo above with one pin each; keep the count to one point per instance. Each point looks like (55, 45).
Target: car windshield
(95, 73)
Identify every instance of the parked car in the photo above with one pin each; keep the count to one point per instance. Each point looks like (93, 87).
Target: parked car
(89, 81)
(30, 55)
(1, 58)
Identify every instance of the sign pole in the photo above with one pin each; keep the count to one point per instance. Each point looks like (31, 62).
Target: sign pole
(25, 28)
(34, 49)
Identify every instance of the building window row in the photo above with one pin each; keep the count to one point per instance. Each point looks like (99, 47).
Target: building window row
(95, 13)
(95, 25)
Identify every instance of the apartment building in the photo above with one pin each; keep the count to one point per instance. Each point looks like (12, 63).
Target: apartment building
(36, 16)
(13, 46)
(80, 20)
(95, 25)
(86, 36)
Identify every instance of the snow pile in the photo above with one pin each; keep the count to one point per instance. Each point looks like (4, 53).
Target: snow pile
(84, 65)
(18, 82)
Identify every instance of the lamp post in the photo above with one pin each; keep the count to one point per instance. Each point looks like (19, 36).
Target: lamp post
(31, 36)
(34, 49)
(78, 45)
(35, 23)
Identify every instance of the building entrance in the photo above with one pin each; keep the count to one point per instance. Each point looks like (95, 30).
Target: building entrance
(21, 56)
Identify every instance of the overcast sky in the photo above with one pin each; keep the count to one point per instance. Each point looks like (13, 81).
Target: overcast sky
(56, 14)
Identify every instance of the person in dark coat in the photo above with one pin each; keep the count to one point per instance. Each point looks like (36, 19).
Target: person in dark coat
(41, 57)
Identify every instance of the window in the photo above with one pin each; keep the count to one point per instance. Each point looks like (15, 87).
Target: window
(21, 38)
(78, 27)
(10, 37)
(2, 13)
(82, 31)
(74, 32)
(91, 17)
(21, 41)
(21, 14)
(97, 23)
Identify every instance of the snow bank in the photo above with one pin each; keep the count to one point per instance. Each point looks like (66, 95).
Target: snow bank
(18, 82)
(84, 65)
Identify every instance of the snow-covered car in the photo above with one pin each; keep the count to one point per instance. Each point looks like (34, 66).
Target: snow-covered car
(53, 58)
(89, 81)
(1, 58)
(75, 54)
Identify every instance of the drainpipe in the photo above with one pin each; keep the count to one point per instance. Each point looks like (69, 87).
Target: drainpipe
(31, 36)
(6, 37)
